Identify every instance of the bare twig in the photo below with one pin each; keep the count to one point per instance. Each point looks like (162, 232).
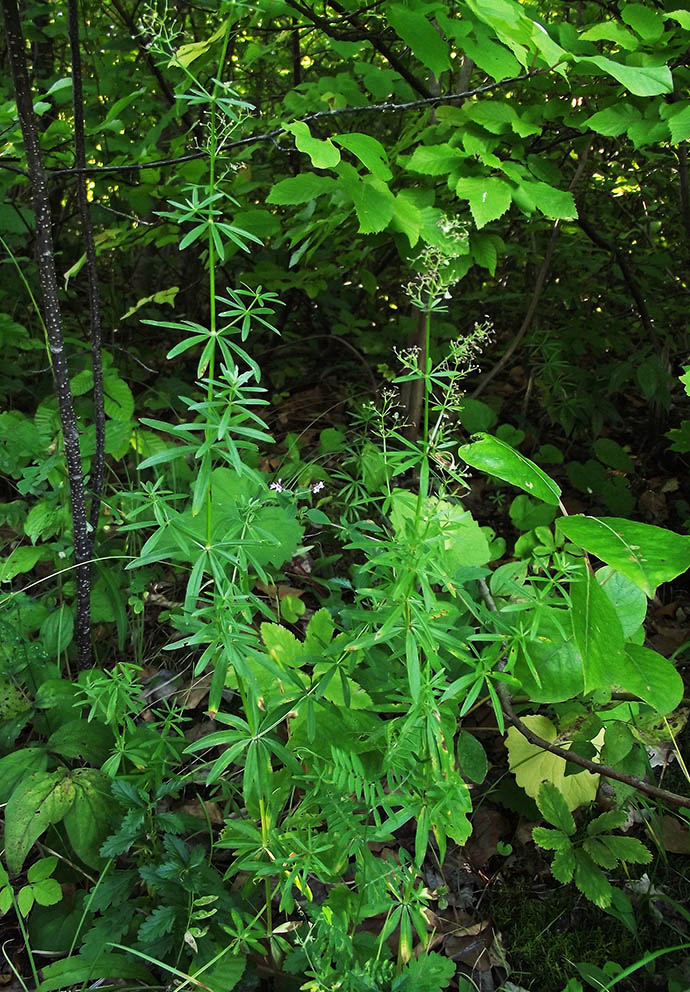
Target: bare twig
(621, 259)
(270, 136)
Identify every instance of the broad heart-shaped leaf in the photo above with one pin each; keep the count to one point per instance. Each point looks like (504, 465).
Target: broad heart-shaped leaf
(420, 35)
(650, 676)
(640, 80)
(407, 218)
(22, 559)
(489, 198)
(490, 56)
(555, 809)
(647, 23)
(300, 189)
(532, 765)
(613, 121)
(497, 458)
(464, 544)
(558, 204)
(628, 599)
(323, 154)
(15, 767)
(646, 554)
(680, 130)
(556, 658)
(89, 819)
(598, 632)
(368, 150)
(43, 798)
(118, 400)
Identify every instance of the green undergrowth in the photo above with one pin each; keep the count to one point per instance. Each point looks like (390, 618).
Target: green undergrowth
(547, 932)
(340, 613)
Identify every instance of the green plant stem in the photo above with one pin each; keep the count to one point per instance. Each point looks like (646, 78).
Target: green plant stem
(87, 907)
(267, 881)
(424, 471)
(212, 155)
(34, 301)
(25, 938)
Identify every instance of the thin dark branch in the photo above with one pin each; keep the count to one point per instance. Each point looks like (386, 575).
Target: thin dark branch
(96, 481)
(672, 798)
(383, 49)
(388, 107)
(538, 287)
(621, 259)
(663, 795)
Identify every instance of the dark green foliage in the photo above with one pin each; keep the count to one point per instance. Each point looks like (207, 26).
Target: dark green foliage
(305, 653)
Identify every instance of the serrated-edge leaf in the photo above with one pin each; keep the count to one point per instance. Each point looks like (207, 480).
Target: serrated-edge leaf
(591, 881)
(612, 819)
(563, 865)
(550, 840)
(628, 849)
(554, 808)
(599, 853)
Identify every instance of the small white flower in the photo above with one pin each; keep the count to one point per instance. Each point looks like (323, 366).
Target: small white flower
(277, 486)
(317, 488)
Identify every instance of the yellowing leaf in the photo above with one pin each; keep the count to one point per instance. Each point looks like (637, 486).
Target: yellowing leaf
(323, 154)
(186, 54)
(532, 765)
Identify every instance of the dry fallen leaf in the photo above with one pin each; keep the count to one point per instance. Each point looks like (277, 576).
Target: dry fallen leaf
(195, 691)
(488, 826)
(675, 836)
(195, 807)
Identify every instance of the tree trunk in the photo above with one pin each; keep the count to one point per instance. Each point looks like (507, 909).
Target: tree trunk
(51, 311)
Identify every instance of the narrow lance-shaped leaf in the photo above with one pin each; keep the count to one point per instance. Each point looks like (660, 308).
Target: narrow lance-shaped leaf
(499, 459)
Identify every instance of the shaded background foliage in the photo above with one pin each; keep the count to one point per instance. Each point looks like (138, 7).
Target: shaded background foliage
(542, 145)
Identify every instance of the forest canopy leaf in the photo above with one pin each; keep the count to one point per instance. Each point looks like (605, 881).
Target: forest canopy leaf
(421, 36)
(323, 154)
(300, 189)
(639, 80)
(488, 198)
